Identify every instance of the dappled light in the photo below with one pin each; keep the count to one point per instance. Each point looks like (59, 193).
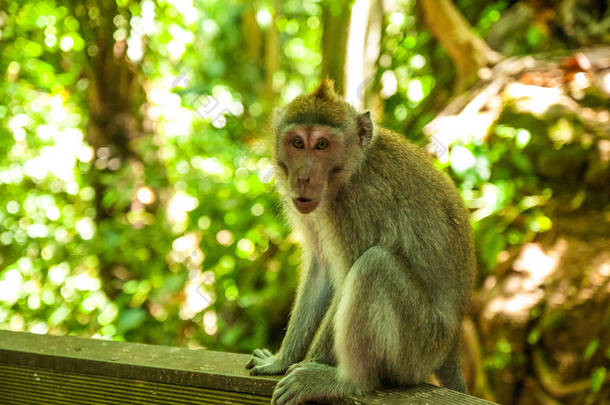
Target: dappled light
(137, 180)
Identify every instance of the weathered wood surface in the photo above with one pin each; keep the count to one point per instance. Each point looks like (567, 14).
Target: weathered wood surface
(37, 369)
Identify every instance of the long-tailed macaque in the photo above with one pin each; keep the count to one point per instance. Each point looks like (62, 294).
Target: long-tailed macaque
(389, 257)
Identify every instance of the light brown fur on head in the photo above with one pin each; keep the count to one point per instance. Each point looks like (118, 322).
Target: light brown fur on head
(322, 106)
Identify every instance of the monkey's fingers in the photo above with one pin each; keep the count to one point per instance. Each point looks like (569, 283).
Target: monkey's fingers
(267, 368)
(257, 356)
(284, 392)
(250, 364)
(262, 369)
(262, 353)
(256, 370)
(254, 362)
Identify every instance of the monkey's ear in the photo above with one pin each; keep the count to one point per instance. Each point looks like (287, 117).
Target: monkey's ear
(365, 128)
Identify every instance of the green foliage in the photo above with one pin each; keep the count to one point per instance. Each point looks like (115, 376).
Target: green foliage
(169, 231)
(509, 179)
(409, 77)
(198, 262)
(597, 378)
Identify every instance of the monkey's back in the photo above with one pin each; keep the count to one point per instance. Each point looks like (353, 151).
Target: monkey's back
(399, 200)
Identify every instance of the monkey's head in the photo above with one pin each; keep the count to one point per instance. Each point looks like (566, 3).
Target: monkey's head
(320, 142)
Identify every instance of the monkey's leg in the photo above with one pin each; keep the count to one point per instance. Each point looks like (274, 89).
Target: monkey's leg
(372, 322)
(310, 306)
(450, 373)
(316, 370)
(370, 331)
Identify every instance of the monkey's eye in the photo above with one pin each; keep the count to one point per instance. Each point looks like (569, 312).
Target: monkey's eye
(322, 144)
(298, 143)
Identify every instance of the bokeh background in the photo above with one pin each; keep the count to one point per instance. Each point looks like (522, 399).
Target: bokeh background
(136, 192)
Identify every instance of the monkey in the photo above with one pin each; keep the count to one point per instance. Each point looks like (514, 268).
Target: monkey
(389, 261)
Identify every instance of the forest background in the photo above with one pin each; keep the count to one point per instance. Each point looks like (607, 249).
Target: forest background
(136, 190)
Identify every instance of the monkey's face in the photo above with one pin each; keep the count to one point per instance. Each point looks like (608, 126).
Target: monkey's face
(310, 158)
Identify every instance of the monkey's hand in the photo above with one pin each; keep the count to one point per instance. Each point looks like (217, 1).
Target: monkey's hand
(305, 381)
(263, 362)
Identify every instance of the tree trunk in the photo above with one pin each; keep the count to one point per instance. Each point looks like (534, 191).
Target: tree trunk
(252, 34)
(115, 95)
(272, 57)
(363, 47)
(468, 52)
(335, 20)
(372, 49)
(355, 80)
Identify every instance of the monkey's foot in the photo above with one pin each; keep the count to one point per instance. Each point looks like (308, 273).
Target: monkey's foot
(309, 381)
(263, 362)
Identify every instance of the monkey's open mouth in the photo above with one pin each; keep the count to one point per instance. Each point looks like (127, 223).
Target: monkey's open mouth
(305, 205)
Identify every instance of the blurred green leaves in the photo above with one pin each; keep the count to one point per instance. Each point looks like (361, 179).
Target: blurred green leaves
(598, 376)
(163, 247)
(172, 234)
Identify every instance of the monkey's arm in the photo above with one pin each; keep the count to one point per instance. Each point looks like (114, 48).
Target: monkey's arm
(322, 348)
(310, 306)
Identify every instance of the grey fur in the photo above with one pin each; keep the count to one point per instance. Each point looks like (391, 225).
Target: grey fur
(391, 273)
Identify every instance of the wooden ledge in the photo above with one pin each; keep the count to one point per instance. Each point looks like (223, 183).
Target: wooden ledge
(71, 370)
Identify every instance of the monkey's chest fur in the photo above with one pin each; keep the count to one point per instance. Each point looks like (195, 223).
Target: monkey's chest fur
(418, 217)
(342, 231)
(400, 202)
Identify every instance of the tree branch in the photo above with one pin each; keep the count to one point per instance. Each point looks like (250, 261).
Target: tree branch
(468, 52)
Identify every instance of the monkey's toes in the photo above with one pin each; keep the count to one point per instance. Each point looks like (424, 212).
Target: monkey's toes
(288, 392)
